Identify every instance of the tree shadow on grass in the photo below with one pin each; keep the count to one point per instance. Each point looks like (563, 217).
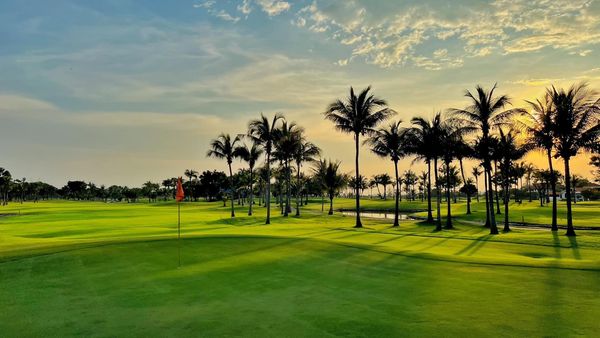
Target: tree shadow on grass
(475, 246)
(574, 247)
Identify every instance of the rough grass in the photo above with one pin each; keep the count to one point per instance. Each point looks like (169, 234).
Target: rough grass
(95, 269)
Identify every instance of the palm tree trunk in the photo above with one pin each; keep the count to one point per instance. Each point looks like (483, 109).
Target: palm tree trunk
(288, 193)
(330, 205)
(322, 202)
(477, 186)
(251, 194)
(357, 145)
(553, 185)
(438, 224)
(468, 204)
(496, 189)
(429, 213)
(396, 208)
(506, 200)
(231, 189)
(268, 192)
(492, 216)
(298, 189)
(448, 201)
(570, 229)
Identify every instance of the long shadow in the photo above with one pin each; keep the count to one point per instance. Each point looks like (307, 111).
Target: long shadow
(396, 237)
(474, 246)
(575, 247)
(556, 241)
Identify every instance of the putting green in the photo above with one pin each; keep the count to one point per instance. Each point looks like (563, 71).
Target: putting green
(95, 269)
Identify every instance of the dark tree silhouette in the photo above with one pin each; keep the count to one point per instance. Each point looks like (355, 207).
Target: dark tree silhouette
(389, 143)
(263, 132)
(576, 128)
(223, 148)
(358, 115)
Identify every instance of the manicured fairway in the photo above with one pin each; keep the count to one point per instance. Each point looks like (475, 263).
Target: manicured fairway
(95, 269)
(585, 214)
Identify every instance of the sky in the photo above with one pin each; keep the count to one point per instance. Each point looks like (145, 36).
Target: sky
(125, 91)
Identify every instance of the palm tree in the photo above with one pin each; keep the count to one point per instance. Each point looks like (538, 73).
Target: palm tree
(288, 140)
(358, 115)
(576, 127)
(262, 131)
(421, 143)
(485, 113)
(190, 174)
(249, 155)
(223, 147)
(385, 180)
(5, 179)
(390, 142)
(476, 172)
(509, 152)
(305, 152)
(423, 177)
(331, 179)
(539, 125)
(529, 170)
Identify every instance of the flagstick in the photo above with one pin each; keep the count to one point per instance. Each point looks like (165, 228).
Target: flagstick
(178, 235)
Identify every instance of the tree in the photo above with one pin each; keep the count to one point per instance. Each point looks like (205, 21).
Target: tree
(385, 180)
(288, 141)
(485, 113)
(509, 152)
(332, 180)
(389, 143)
(529, 170)
(358, 115)
(262, 131)
(576, 128)
(5, 179)
(305, 152)
(421, 142)
(468, 189)
(476, 172)
(223, 148)
(539, 125)
(150, 190)
(595, 162)
(249, 155)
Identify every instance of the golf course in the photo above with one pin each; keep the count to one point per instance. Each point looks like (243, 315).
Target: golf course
(100, 269)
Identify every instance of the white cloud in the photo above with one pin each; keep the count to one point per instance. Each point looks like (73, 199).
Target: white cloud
(245, 7)
(396, 37)
(273, 7)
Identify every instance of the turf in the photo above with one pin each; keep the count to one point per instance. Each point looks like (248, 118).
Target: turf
(95, 269)
(584, 213)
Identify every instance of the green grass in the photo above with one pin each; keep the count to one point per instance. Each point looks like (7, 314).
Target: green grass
(95, 269)
(584, 213)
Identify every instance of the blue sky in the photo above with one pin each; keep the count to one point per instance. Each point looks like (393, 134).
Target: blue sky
(125, 91)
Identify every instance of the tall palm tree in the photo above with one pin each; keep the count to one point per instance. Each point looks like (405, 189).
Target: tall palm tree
(190, 174)
(509, 152)
(539, 125)
(529, 170)
(305, 152)
(485, 113)
(223, 147)
(576, 128)
(5, 179)
(288, 141)
(358, 115)
(476, 172)
(331, 179)
(385, 180)
(423, 178)
(450, 140)
(422, 144)
(249, 155)
(390, 142)
(263, 132)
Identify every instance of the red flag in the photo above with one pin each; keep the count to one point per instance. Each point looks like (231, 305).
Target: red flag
(179, 195)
